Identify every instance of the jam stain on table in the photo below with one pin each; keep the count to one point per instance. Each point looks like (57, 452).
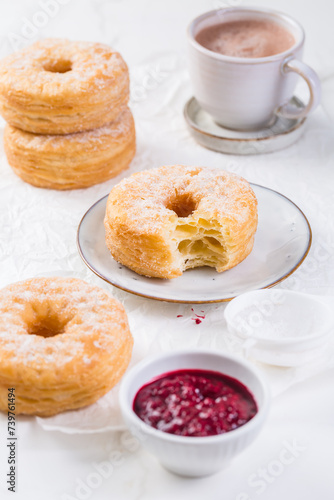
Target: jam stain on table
(194, 403)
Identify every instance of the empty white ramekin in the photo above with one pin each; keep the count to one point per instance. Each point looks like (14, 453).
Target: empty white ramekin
(194, 456)
(281, 327)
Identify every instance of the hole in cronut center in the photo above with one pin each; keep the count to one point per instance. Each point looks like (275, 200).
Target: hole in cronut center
(183, 206)
(48, 326)
(58, 66)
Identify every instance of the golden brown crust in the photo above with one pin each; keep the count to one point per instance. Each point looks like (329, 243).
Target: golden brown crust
(86, 355)
(75, 160)
(163, 221)
(57, 86)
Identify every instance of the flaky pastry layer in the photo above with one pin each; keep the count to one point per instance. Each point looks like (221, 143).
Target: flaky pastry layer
(163, 221)
(57, 86)
(63, 344)
(72, 161)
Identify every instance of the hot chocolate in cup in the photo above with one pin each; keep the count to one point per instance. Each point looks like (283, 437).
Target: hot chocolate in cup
(244, 65)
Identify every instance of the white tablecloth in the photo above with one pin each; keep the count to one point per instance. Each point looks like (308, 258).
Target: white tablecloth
(38, 237)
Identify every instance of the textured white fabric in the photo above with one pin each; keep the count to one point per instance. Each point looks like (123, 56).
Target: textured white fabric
(38, 227)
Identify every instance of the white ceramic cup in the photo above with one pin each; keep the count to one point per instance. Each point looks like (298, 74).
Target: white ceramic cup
(248, 93)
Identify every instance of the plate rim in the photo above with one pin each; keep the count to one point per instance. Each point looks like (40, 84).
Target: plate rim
(184, 301)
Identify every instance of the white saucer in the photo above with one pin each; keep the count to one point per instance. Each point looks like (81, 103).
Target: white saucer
(209, 134)
(282, 241)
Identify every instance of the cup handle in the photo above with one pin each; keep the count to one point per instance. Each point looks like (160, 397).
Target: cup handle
(288, 110)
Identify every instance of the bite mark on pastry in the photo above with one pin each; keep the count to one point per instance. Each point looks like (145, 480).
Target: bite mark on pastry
(163, 221)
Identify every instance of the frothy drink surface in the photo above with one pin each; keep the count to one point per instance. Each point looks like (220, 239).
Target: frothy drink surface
(246, 38)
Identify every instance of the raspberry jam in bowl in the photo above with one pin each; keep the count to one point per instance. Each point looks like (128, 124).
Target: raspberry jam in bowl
(195, 403)
(194, 410)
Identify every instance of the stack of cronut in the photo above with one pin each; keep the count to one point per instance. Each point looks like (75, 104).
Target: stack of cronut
(66, 106)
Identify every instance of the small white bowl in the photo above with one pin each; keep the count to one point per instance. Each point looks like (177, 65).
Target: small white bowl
(194, 456)
(281, 327)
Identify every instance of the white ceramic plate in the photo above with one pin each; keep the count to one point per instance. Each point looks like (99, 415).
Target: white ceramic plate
(282, 241)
